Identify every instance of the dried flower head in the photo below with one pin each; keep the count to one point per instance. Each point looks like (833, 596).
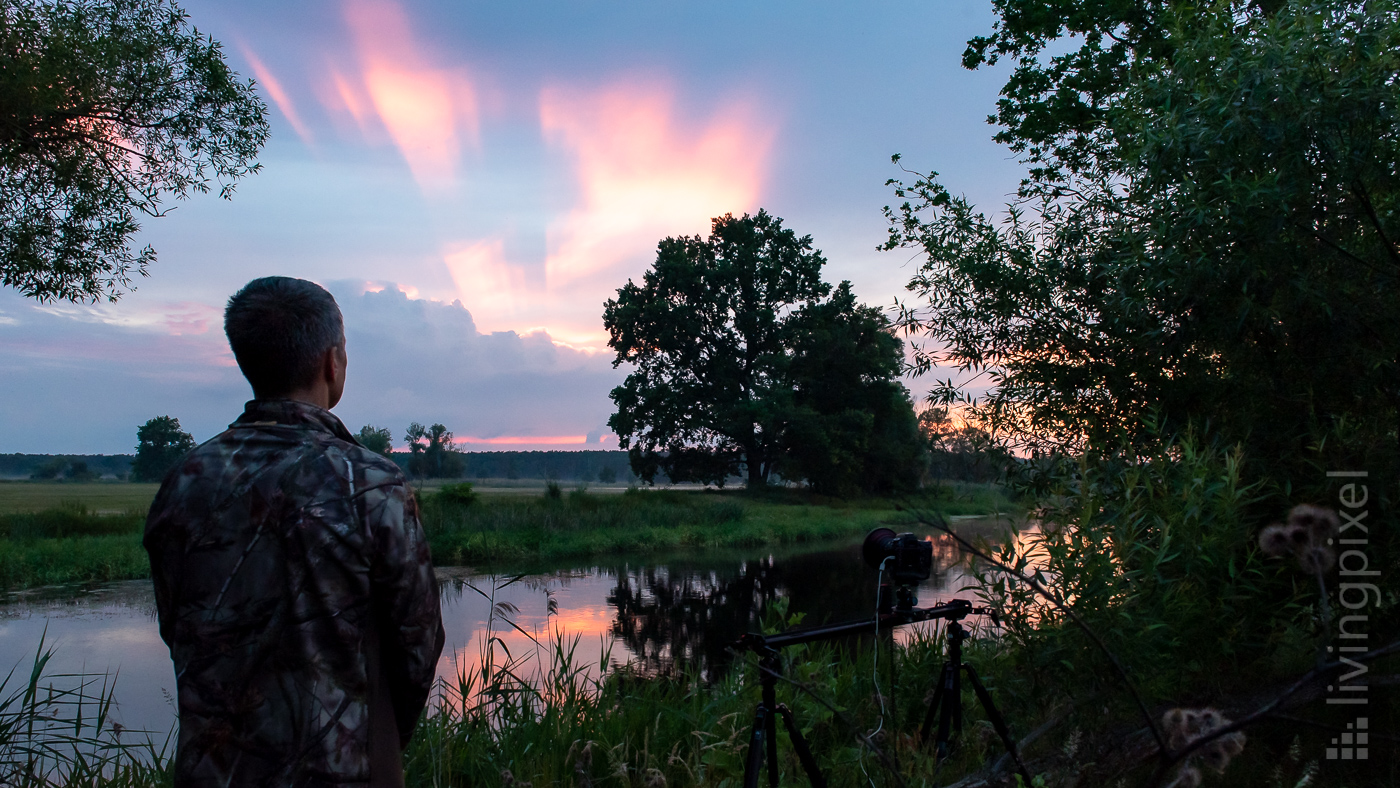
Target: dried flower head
(1214, 756)
(1298, 537)
(1234, 743)
(1320, 523)
(1274, 541)
(1184, 726)
(582, 764)
(1306, 536)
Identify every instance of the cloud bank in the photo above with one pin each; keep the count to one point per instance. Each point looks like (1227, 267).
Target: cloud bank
(80, 379)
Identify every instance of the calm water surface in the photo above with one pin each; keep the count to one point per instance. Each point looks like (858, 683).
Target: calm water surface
(653, 611)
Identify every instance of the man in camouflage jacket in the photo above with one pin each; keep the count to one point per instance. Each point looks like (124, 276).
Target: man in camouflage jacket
(292, 578)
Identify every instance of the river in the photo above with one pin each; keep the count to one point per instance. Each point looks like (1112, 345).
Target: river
(655, 611)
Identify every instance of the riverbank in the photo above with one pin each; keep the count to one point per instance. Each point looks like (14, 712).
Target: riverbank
(76, 542)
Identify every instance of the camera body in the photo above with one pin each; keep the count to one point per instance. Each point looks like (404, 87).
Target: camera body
(910, 563)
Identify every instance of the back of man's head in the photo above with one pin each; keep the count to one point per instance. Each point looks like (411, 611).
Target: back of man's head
(280, 329)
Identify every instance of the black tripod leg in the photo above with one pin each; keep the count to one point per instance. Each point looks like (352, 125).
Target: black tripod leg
(754, 762)
(997, 722)
(934, 704)
(952, 699)
(804, 754)
(770, 725)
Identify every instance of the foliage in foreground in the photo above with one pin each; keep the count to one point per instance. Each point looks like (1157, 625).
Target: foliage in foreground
(1154, 598)
(1208, 232)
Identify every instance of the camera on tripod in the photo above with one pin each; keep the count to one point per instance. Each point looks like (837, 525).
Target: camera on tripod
(907, 561)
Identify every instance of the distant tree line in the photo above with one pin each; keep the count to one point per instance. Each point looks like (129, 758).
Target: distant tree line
(70, 467)
(432, 455)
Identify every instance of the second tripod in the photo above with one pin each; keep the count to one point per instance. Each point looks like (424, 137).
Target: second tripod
(947, 701)
(946, 704)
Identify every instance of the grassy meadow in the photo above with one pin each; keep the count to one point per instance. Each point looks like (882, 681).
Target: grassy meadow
(58, 533)
(99, 497)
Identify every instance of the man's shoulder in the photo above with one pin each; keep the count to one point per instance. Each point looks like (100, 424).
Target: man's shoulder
(260, 449)
(377, 469)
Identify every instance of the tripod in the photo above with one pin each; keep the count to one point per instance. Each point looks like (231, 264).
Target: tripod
(946, 704)
(947, 701)
(765, 732)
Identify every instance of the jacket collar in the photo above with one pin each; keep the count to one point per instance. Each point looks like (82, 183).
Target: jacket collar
(291, 413)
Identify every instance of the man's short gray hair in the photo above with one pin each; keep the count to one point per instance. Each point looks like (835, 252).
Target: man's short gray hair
(279, 328)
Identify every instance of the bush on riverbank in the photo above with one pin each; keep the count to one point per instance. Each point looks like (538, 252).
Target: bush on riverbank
(1167, 596)
(70, 544)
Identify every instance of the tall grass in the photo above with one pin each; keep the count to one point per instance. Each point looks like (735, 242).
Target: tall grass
(56, 729)
(70, 544)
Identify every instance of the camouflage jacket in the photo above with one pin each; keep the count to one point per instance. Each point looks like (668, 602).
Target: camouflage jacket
(295, 591)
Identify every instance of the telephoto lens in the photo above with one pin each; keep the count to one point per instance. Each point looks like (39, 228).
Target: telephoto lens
(913, 557)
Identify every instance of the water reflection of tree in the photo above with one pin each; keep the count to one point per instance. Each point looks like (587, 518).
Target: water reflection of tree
(692, 614)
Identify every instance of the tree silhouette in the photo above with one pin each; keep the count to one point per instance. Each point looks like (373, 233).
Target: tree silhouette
(110, 107)
(432, 454)
(160, 443)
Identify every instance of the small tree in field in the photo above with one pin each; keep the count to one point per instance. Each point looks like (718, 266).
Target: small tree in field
(160, 443)
(433, 455)
(377, 439)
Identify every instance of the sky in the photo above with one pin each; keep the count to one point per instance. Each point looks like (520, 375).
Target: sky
(472, 180)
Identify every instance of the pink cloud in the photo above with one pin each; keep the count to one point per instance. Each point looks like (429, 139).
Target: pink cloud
(275, 91)
(429, 111)
(645, 173)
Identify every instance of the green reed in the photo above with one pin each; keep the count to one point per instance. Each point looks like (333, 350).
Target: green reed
(57, 729)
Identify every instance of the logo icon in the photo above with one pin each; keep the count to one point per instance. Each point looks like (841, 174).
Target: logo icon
(1353, 743)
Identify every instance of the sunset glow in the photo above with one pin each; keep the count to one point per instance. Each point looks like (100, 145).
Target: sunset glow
(644, 173)
(428, 110)
(519, 440)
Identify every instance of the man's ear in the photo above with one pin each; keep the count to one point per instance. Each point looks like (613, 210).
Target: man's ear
(335, 364)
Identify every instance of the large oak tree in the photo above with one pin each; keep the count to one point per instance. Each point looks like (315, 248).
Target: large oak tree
(745, 367)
